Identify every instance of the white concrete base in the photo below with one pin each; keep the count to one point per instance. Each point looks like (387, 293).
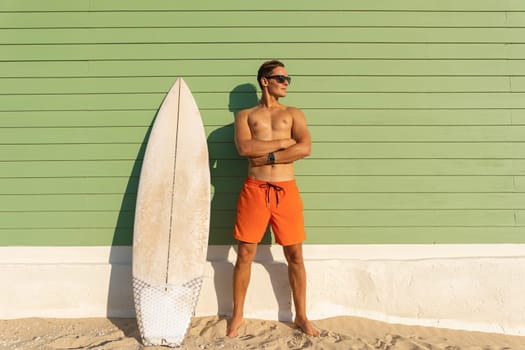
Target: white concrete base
(471, 287)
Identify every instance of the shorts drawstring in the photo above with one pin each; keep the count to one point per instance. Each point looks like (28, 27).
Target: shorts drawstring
(267, 186)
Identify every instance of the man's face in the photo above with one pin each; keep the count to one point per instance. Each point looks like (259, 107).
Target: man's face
(276, 88)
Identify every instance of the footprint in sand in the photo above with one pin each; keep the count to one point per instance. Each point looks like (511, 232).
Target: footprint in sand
(299, 341)
(397, 342)
(333, 337)
(407, 344)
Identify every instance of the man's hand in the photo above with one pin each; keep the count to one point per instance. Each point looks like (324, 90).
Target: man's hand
(263, 160)
(287, 143)
(258, 161)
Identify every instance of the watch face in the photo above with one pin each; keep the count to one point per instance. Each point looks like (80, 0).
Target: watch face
(271, 158)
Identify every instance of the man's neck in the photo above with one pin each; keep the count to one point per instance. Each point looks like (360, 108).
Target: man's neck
(269, 101)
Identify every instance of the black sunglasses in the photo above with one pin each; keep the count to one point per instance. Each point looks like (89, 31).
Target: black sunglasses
(280, 78)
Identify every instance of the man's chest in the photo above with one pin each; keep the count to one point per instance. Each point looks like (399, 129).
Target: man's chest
(269, 124)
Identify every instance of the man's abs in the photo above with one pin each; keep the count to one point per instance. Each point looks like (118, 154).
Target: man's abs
(275, 172)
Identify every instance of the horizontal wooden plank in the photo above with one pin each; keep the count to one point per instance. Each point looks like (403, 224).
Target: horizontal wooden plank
(263, 35)
(310, 167)
(67, 219)
(81, 185)
(407, 218)
(308, 184)
(374, 66)
(66, 237)
(142, 118)
(313, 218)
(519, 183)
(128, 134)
(423, 150)
(391, 167)
(320, 150)
(238, 85)
(398, 133)
(412, 117)
(264, 18)
(516, 51)
(80, 102)
(320, 134)
(350, 59)
(324, 201)
(383, 149)
(433, 201)
(392, 218)
(383, 5)
(401, 100)
(378, 116)
(128, 151)
(222, 120)
(68, 168)
(53, 5)
(405, 133)
(68, 202)
(33, 69)
(237, 5)
(415, 235)
(518, 83)
(406, 167)
(304, 100)
(402, 184)
(228, 186)
(315, 235)
(136, 59)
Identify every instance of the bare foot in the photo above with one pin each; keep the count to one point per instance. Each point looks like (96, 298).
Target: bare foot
(233, 325)
(307, 327)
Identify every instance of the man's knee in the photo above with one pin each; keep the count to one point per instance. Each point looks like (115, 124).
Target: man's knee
(246, 253)
(294, 254)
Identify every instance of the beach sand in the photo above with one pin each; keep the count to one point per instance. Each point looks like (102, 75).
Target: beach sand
(348, 333)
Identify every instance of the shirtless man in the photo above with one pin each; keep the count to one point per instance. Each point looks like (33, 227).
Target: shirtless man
(272, 136)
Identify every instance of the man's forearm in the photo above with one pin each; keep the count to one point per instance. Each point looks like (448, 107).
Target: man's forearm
(289, 155)
(258, 148)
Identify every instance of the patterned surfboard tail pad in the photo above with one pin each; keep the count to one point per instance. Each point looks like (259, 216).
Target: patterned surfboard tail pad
(164, 312)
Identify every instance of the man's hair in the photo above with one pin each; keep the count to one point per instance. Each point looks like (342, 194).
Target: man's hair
(266, 69)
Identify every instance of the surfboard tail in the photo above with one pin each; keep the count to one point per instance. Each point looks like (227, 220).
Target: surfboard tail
(164, 312)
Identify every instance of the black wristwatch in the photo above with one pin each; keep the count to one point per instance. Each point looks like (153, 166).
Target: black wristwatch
(271, 158)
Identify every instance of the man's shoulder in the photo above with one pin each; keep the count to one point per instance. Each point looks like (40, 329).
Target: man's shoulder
(248, 111)
(292, 108)
(243, 113)
(294, 111)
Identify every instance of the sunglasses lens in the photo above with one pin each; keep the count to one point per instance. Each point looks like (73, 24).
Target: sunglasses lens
(281, 79)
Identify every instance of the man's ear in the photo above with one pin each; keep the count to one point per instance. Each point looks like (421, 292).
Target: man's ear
(264, 81)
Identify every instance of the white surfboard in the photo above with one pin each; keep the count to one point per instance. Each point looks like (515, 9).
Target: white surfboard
(172, 215)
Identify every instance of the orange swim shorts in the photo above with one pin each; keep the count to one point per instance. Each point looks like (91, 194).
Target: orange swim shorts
(278, 203)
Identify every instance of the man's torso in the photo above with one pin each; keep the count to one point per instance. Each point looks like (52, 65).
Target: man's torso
(268, 124)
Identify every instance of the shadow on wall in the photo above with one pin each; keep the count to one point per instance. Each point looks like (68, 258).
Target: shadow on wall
(120, 291)
(228, 171)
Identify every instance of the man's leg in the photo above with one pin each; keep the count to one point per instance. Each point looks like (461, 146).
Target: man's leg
(297, 276)
(241, 279)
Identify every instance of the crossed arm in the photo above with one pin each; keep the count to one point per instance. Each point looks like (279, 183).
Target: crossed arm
(285, 150)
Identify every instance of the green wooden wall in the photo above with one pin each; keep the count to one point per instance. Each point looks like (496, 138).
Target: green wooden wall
(416, 108)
